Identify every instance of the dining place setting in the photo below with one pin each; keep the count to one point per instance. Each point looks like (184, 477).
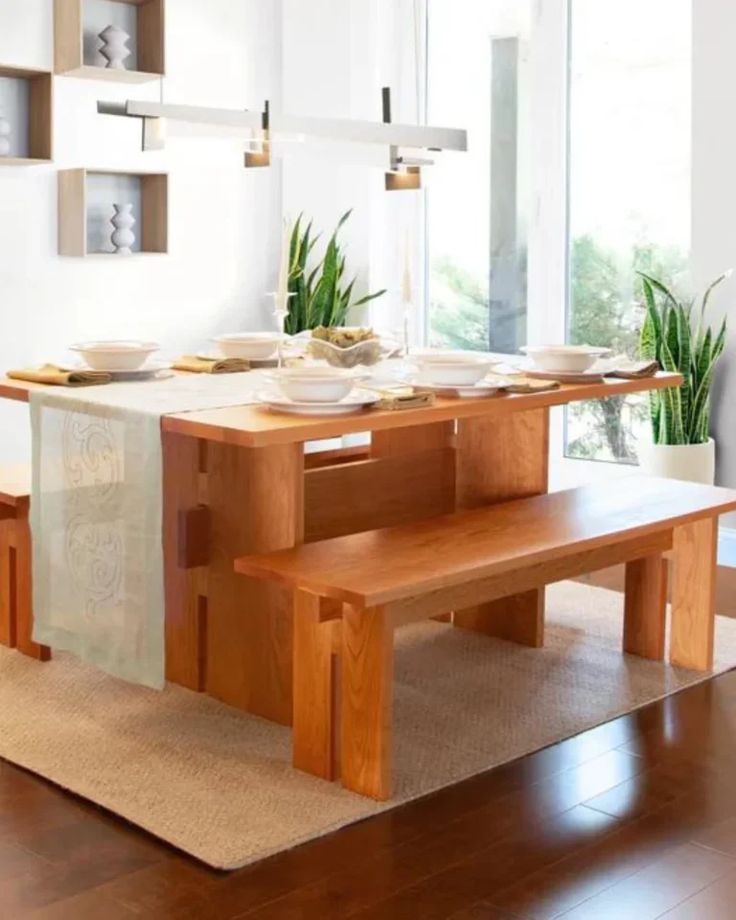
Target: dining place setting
(339, 371)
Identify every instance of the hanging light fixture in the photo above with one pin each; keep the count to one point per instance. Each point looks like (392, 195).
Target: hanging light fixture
(262, 128)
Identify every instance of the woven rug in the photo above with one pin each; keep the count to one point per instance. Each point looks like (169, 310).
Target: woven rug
(218, 783)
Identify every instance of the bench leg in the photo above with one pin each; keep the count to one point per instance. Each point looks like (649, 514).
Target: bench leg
(645, 607)
(315, 689)
(7, 587)
(23, 595)
(367, 688)
(695, 551)
(519, 618)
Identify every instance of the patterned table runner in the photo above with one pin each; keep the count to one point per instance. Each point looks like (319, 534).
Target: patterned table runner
(96, 515)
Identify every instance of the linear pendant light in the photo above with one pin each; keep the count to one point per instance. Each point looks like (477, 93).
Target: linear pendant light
(265, 127)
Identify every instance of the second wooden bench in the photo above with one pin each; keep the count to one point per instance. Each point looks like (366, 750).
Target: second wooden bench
(350, 593)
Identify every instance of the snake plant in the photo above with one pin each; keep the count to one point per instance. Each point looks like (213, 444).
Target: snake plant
(320, 296)
(683, 344)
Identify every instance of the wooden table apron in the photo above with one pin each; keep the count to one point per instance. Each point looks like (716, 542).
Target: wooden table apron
(231, 636)
(237, 481)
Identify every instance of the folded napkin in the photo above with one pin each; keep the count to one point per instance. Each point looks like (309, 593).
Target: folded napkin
(404, 398)
(522, 384)
(52, 375)
(634, 370)
(197, 364)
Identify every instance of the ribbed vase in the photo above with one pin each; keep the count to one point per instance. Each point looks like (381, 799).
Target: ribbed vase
(114, 48)
(123, 237)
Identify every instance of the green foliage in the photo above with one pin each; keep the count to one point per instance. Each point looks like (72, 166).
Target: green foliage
(680, 415)
(460, 316)
(320, 295)
(607, 309)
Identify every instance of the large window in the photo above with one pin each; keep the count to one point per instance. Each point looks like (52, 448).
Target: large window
(629, 188)
(497, 218)
(477, 207)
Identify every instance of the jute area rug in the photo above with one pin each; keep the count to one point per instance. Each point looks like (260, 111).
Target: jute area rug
(218, 783)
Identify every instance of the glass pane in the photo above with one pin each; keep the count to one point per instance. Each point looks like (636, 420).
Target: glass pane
(629, 188)
(478, 77)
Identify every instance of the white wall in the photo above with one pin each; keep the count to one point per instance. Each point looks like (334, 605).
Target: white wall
(224, 221)
(714, 198)
(337, 55)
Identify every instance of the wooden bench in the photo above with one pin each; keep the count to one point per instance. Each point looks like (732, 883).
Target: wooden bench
(16, 603)
(351, 592)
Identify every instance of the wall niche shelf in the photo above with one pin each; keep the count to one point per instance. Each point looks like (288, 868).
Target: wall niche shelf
(86, 198)
(77, 24)
(26, 98)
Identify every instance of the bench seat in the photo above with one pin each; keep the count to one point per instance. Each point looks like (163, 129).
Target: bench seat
(351, 592)
(16, 604)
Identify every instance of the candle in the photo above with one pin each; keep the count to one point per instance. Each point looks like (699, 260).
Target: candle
(406, 285)
(282, 291)
(406, 292)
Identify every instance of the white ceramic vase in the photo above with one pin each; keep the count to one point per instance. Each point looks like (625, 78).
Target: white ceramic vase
(114, 48)
(123, 236)
(688, 462)
(5, 131)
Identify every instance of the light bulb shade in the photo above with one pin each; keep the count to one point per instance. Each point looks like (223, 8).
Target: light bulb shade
(409, 179)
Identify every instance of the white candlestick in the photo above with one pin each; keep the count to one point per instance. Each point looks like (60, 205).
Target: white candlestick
(281, 311)
(282, 290)
(406, 291)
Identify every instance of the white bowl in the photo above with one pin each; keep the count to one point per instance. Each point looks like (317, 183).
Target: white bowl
(315, 384)
(253, 346)
(453, 369)
(568, 359)
(115, 356)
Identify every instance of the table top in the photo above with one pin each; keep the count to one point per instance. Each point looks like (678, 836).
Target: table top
(254, 426)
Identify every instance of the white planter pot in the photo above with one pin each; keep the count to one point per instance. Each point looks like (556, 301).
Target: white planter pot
(689, 462)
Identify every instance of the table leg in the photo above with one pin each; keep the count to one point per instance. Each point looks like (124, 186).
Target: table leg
(435, 436)
(695, 553)
(7, 613)
(23, 591)
(186, 601)
(645, 607)
(500, 459)
(367, 688)
(255, 496)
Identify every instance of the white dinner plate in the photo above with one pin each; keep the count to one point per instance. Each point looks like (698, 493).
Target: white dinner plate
(476, 391)
(354, 402)
(150, 369)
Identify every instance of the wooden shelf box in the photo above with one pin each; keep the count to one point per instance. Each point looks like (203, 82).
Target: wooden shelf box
(86, 198)
(26, 101)
(77, 23)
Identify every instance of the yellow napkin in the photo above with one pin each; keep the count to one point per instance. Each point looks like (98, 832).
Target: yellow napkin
(197, 364)
(52, 375)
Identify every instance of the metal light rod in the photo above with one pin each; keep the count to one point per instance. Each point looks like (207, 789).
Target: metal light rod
(360, 132)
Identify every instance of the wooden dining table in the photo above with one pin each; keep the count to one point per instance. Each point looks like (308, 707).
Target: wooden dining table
(238, 481)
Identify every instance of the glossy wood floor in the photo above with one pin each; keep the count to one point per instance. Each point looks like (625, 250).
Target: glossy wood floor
(635, 819)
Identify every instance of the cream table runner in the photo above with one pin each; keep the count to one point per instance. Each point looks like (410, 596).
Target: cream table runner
(96, 515)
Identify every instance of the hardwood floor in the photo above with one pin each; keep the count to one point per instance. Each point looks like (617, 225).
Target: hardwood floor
(635, 819)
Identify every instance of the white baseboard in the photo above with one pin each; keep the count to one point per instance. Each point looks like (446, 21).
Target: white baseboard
(727, 546)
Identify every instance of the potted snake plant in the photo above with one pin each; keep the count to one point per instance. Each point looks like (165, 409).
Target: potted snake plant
(676, 335)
